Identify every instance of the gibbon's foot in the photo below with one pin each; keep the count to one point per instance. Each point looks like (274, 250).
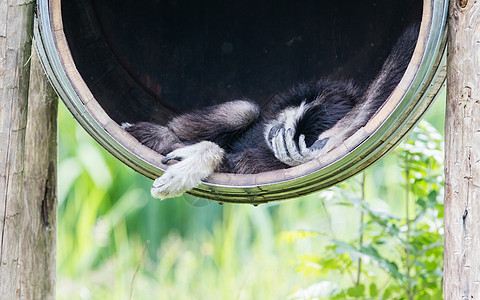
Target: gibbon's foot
(196, 162)
(292, 153)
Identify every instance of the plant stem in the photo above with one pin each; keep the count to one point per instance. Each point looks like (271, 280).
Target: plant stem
(360, 242)
(132, 284)
(407, 250)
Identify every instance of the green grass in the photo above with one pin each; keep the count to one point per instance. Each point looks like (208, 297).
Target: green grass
(195, 249)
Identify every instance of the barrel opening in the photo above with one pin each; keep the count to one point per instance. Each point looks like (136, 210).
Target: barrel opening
(115, 61)
(149, 60)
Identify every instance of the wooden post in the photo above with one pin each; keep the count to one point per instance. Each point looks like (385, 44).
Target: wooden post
(28, 109)
(462, 153)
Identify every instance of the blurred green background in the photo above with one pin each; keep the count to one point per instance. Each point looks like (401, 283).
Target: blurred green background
(376, 236)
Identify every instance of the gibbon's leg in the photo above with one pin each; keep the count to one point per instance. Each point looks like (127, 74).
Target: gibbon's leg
(218, 123)
(156, 137)
(210, 129)
(196, 162)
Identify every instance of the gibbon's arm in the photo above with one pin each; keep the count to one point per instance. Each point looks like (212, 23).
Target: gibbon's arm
(293, 152)
(280, 136)
(287, 151)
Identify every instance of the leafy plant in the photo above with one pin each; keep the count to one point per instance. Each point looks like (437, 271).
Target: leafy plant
(392, 256)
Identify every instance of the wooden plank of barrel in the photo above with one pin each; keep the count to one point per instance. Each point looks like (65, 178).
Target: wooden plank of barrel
(116, 61)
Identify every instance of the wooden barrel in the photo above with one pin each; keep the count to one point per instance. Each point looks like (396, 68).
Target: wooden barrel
(115, 61)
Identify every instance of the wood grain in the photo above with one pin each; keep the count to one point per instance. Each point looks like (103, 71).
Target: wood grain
(27, 162)
(462, 158)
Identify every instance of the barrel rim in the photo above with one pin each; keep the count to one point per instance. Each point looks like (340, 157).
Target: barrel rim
(403, 109)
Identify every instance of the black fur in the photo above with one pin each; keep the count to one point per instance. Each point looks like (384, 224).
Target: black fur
(333, 99)
(240, 129)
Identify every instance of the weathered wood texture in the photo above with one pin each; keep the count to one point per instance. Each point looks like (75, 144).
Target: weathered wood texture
(462, 146)
(27, 161)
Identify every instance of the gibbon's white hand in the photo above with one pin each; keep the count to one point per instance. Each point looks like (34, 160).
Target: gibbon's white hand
(293, 153)
(196, 162)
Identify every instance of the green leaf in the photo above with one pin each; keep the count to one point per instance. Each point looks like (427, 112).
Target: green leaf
(357, 291)
(373, 291)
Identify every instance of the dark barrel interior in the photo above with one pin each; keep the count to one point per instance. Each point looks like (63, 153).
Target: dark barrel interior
(146, 60)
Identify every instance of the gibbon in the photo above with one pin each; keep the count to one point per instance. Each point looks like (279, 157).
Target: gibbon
(296, 126)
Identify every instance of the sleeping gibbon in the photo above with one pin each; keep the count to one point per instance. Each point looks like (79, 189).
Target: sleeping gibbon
(298, 125)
